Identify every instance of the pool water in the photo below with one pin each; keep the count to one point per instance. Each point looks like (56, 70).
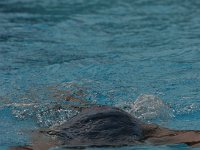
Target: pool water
(103, 51)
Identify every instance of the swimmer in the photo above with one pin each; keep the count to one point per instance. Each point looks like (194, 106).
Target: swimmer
(106, 126)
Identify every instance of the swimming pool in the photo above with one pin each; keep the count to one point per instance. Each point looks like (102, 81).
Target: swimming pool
(108, 51)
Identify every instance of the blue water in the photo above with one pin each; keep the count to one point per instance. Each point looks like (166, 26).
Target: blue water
(110, 51)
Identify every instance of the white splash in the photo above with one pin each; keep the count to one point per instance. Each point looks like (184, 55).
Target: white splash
(150, 107)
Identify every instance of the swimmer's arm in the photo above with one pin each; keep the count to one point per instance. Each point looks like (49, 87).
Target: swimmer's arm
(157, 135)
(21, 148)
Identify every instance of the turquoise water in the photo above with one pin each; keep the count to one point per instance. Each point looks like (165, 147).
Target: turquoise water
(104, 51)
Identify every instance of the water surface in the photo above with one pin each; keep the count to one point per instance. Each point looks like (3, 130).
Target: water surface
(111, 50)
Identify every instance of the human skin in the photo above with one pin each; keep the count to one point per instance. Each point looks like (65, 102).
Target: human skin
(104, 126)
